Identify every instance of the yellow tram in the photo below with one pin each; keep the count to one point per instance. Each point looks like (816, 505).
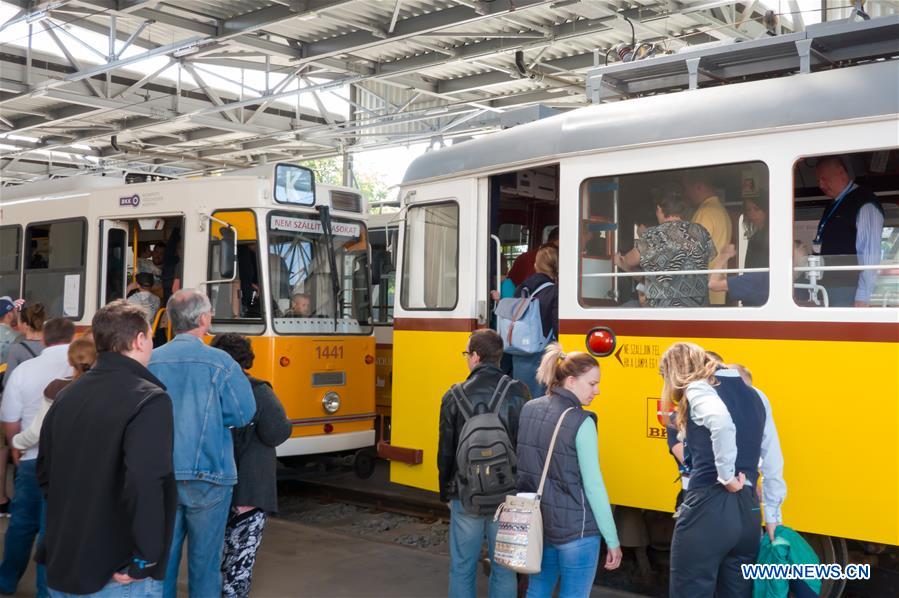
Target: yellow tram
(283, 260)
(832, 373)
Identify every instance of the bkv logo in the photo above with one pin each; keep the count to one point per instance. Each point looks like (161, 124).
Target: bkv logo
(131, 200)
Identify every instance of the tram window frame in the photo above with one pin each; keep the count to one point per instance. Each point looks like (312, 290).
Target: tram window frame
(81, 271)
(757, 170)
(804, 234)
(16, 271)
(366, 328)
(251, 326)
(404, 296)
(391, 238)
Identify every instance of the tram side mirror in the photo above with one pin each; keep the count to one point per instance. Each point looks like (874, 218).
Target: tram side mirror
(227, 252)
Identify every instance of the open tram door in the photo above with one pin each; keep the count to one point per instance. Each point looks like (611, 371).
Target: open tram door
(115, 261)
(519, 214)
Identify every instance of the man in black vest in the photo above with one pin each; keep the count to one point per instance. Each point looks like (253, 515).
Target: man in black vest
(849, 234)
(467, 530)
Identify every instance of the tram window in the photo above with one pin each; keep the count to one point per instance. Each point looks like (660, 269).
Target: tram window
(10, 260)
(675, 221)
(54, 266)
(846, 215)
(383, 272)
(515, 239)
(308, 297)
(238, 304)
(431, 257)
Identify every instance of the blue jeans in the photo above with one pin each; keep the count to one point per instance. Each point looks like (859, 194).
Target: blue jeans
(524, 369)
(145, 588)
(26, 520)
(574, 561)
(466, 538)
(201, 516)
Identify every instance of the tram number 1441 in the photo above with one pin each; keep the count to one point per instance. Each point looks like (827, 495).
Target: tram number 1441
(329, 352)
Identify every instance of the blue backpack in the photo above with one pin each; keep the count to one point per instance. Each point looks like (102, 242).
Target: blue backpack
(518, 321)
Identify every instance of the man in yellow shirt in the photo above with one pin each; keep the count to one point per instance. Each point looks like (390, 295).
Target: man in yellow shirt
(712, 215)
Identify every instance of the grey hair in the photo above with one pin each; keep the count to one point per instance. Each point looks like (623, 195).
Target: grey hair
(185, 307)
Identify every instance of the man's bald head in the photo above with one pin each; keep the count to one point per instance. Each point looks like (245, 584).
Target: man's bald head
(832, 176)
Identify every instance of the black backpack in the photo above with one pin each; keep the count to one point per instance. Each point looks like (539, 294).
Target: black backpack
(485, 458)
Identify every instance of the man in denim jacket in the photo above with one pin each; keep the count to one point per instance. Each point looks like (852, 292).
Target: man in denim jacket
(210, 395)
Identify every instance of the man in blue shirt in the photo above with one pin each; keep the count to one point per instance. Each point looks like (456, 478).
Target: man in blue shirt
(210, 394)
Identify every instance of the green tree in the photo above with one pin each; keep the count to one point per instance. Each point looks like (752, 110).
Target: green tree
(327, 171)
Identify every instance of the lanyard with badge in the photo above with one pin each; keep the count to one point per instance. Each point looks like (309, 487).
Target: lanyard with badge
(816, 244)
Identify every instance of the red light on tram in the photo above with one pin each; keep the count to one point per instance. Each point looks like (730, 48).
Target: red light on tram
(601, 341)
(329, 428)
(284, 361)
(369, 359)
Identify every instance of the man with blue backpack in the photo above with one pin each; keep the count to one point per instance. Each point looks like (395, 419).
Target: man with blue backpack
(477, 463)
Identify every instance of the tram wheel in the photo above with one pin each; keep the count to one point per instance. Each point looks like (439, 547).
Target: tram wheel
(830, 550)
(364, 463)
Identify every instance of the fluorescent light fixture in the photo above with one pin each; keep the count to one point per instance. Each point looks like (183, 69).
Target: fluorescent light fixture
(441, 110)
(36, 17)
(308, 16)
(186, 51)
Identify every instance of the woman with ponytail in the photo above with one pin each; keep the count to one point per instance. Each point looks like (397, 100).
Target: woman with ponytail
(728, 428)
(82, 355)
(574, 502)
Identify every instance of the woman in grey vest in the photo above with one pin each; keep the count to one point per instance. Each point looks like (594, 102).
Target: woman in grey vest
(574, 504)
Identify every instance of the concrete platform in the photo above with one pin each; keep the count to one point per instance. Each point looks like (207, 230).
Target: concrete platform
(299, 560)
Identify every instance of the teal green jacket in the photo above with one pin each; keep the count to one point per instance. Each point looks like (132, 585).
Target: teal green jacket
(788, 548)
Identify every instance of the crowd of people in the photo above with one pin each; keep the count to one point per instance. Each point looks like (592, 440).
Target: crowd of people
(134, 451)
(721, 432)
(124, 453)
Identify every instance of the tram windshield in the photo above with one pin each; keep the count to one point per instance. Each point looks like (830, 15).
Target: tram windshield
(306, 297)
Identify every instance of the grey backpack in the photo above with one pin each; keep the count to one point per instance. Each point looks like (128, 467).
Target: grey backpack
(485, 459)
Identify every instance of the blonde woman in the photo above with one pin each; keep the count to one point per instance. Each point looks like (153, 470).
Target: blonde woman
(728, 428)
(575, 505)
(543, 285)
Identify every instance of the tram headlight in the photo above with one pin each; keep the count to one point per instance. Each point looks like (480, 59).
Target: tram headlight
(331, 402)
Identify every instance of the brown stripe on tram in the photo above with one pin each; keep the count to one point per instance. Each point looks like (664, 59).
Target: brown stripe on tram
(885, 332)
(436, 324)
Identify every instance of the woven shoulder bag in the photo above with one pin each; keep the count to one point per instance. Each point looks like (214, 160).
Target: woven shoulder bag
(519, 539)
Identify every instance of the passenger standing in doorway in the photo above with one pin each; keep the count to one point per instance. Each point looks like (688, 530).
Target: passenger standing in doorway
(468, 530)
(145, 298)
(256, 492)
(105, 466)
(524, 367)
(710, 214)
(22, 400)
(574, 503)
(849, 234)
(210, 394)
(524, 265)
(729, 429)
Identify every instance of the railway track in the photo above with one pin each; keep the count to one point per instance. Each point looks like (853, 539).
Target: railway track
(367, 497)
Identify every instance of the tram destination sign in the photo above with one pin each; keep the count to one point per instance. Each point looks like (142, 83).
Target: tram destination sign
(305, 225)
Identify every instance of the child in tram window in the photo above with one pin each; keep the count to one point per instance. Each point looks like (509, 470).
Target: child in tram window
(145, 297)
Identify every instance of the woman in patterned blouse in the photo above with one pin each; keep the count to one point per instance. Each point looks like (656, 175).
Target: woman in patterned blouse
(674, 244)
